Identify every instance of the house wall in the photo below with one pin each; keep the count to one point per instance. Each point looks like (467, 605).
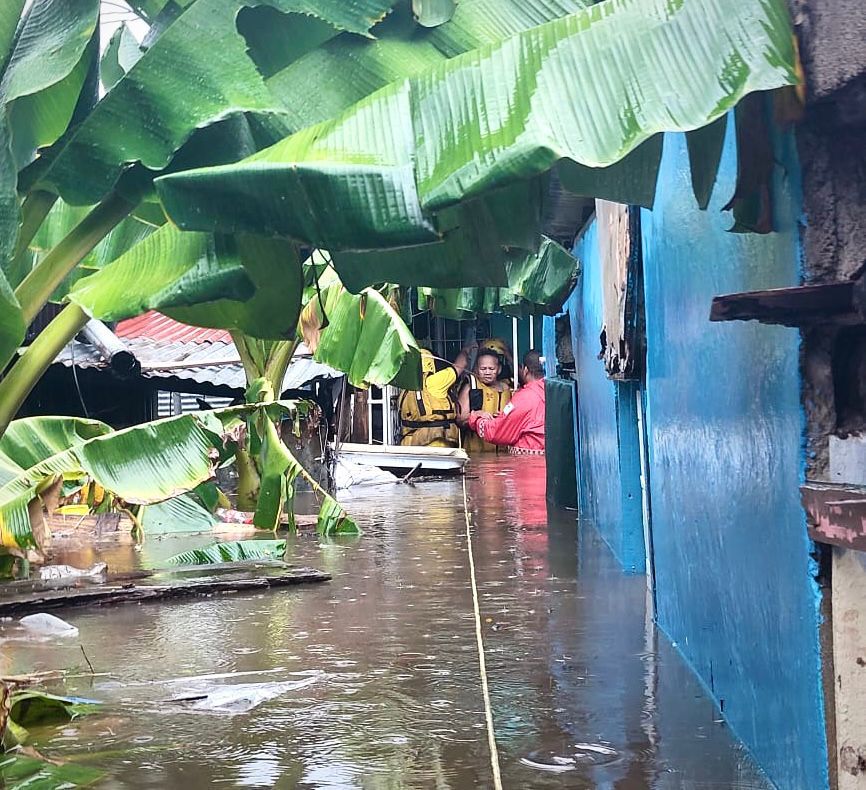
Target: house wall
(607, 450)
(735, 584)
(734, 579)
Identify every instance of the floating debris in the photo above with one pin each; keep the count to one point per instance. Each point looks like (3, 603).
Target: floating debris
(48, 625)
(240, 697)
(52, 572)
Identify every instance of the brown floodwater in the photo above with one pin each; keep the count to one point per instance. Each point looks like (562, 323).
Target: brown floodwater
(375, 675)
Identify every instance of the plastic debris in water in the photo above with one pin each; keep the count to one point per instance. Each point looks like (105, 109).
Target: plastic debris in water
(240, 697)
(48, 624)
(51, 572)
(556, 764)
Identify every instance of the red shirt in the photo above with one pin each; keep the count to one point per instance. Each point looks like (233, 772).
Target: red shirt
(520, 425)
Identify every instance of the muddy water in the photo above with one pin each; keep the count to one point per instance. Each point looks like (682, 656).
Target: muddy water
(379, 668)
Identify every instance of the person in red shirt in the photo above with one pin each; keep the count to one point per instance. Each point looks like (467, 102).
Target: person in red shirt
(520, 425)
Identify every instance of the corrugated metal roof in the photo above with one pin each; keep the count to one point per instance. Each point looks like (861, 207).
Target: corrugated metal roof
(216, 363)
(159, 327)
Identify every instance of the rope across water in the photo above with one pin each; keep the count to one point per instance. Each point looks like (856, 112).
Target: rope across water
(482, 664)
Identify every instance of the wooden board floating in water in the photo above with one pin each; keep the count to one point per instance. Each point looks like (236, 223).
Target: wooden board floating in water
(161, 585)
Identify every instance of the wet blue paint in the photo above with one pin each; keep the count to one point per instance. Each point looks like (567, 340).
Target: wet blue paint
(735, 589)
(607, 447)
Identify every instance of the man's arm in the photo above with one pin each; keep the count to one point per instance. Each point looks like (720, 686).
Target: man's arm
(504, 429)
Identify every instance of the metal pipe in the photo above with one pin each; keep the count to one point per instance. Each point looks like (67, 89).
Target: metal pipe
(514, 349)
(120, 359)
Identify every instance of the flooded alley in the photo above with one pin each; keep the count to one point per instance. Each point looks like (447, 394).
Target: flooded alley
(374, 676)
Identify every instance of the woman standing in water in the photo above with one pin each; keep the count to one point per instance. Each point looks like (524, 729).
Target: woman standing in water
(484, 391)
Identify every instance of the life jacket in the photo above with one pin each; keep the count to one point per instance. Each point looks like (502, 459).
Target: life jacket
(427, 419)
(483, 398)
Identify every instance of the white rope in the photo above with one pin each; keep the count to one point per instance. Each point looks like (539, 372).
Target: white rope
(482, 664)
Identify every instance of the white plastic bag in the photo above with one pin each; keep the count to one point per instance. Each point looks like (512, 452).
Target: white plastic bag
(48, 625)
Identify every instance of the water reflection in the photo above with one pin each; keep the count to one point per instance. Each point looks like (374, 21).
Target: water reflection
(584, 693)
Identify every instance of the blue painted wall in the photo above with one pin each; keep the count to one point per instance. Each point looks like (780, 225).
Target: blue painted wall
(734, 582)
(607, 445)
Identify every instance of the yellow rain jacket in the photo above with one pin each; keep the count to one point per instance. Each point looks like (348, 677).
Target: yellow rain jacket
(428, 415)
(483, 398)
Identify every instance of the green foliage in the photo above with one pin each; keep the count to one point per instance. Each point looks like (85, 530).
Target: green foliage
(361, 335)
(377, 175)
(234, 551)
(18, 772)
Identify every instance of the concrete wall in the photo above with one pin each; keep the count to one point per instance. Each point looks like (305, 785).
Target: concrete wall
(734, 578)
(609, 482)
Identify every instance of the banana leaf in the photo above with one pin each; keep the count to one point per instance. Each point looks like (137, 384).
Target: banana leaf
(376, 176)
(121, 54)
(314, 88)
(154, 109)
(18, 772)
(478, 22)
(45, 73)
(178, 514)
(37, 708)
(61, 219)
(235, 551)
(141, 465)
(45, 53)
(538, 284)
(247, 284)
(361, 335)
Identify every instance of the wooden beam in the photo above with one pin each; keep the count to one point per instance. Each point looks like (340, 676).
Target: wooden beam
(162, 586)
(803, 305)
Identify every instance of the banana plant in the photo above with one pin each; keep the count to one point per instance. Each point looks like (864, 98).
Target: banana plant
(153, 119)
(142, 466)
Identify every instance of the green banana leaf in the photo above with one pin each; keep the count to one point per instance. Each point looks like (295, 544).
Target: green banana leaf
(247, 284)
(45, 73)
(19, 772)
(45, 52)
(146, 464)
(235, 551)
(121, 54)
(361, 335)
(154, 109)
(314, 88)
(10, 14)
(538, 284)
(36, 708)
(142, 465)
(479, 22)
(61, 219)
(507, 111)
(178, 514)
(480, 237)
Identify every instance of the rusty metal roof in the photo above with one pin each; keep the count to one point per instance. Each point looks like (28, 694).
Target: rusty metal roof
(161, 328)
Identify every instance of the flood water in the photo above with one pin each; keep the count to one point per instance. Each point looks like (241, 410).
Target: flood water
(380, 673)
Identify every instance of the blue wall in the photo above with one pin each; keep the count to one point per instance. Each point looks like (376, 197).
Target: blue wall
(607, 446)
(734, 582)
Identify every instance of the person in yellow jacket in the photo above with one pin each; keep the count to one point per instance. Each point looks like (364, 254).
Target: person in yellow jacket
(484, 391)
(429, 416)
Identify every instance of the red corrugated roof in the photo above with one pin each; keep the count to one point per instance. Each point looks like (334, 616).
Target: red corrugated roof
(157, 326)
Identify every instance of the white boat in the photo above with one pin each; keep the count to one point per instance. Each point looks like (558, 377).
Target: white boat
(398, 457)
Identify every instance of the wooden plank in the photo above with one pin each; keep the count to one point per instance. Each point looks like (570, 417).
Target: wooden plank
(836, 514)
(801, 305)
(619, 246)
(215, 583)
